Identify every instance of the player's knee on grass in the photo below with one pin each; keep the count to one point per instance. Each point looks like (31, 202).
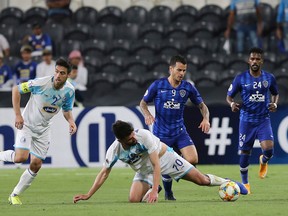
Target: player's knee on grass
(134, 198)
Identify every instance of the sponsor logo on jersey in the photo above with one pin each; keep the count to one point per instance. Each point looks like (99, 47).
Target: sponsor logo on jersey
(171, 105)
(50, 109)
(257, 97)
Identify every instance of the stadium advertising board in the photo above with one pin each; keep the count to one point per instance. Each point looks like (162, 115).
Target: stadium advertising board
(88, 146)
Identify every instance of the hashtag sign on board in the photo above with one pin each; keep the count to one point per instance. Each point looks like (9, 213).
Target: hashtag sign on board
(219, 136)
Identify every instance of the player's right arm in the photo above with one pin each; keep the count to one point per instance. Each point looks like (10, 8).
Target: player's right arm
(149, 118)
(16, 98)
(232, 91)
(99, 180)
(149, 96)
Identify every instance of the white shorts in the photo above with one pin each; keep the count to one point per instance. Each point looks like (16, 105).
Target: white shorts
(36, 143)
(171, 164)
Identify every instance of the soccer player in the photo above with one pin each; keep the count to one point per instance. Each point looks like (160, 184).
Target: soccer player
(48, 95)
(255, 86)
(148, 157)
(170, 96)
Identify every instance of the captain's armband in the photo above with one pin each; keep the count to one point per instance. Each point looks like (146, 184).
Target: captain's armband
(24, 88)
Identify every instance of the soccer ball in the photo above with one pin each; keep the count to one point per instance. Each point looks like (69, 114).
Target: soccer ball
(229, 191)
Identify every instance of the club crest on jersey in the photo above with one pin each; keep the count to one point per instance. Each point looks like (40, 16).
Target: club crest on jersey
(182, 93)
(265, 83)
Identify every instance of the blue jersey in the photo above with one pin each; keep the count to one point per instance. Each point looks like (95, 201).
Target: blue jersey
(282, 15)
(5, 74)
(169, 105)
(255, 94)
(245, 11)
(25, 71)
(40, 42)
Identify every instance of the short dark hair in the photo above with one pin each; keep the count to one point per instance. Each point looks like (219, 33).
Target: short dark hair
(122, 129)
(256, 50)
(64, 63)
(177, 58)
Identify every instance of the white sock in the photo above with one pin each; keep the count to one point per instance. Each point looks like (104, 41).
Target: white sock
(25, 181)
(216, 180)
(7, 156)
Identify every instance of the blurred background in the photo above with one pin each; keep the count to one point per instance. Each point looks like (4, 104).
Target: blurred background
(122, 46)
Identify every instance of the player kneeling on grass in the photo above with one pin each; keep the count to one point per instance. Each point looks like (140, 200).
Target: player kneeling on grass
(149, 158)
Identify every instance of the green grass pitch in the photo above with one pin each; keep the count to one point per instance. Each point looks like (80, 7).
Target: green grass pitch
(52, 192)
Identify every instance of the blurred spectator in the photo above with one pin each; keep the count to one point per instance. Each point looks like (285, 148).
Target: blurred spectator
(75, 59)
(38, 40)
(59, 11)
(4, 45)
(72, 79)
(47, 66)
(6, 75)
(26, 68)
(248, 22)
(282, 26)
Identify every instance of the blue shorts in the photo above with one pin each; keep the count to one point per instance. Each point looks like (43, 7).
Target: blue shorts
(249, 131)
(178, 142)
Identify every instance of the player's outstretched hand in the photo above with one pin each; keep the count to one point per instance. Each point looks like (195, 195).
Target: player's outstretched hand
(272, 107)
(80, 197)
(205, 126)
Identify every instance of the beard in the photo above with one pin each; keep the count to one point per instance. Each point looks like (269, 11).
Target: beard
(255, 68)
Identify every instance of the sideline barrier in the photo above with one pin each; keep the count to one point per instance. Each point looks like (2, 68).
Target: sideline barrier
(94, 135)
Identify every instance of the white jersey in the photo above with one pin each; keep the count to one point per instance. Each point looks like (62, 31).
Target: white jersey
(45, 101)
(138, 155)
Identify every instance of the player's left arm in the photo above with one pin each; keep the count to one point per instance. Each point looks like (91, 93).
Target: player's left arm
(99, 180)
(274, 101)
(272, 106)
(154, 158)
(205, 124)
(69, 118)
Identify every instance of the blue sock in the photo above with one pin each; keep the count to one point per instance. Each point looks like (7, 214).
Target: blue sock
(244, 164)
(267, 154)
(167, 183)
(243, 190)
